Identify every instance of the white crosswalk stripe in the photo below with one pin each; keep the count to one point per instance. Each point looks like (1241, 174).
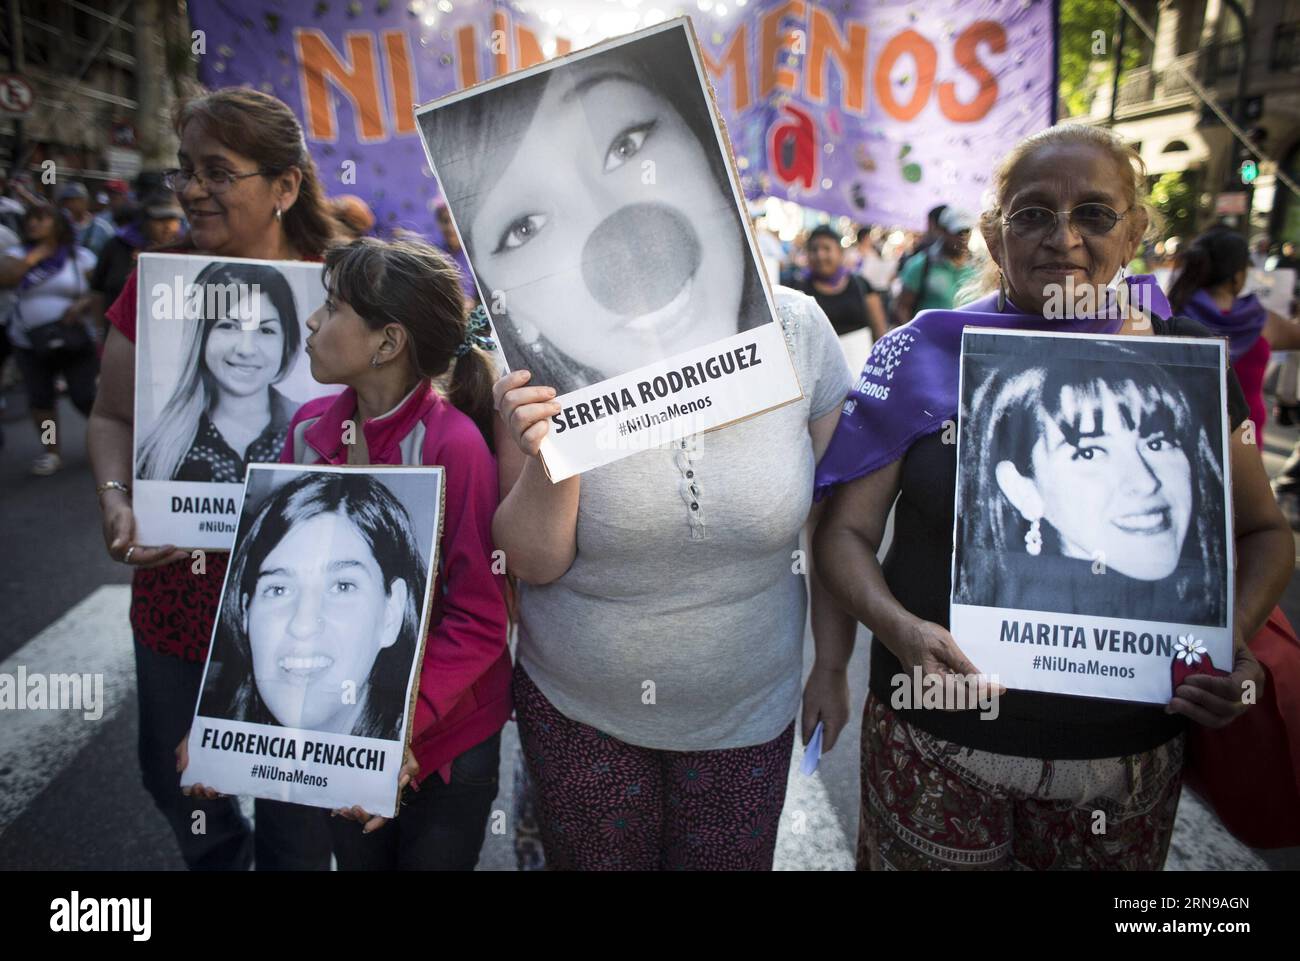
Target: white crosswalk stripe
(93, 638)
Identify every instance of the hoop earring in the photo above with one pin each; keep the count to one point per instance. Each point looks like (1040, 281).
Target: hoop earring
(1034, 539)
(1002, 292)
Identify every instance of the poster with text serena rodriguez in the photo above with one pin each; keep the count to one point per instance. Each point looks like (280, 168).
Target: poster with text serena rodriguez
(220, 369)
(308, 692)
(1093, 536)
(597, 201)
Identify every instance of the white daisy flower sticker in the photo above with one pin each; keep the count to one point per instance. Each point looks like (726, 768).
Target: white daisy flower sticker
(1189, 649)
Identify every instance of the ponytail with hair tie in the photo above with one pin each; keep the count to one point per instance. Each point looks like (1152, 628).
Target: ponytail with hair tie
(473, 374)
(478, 332)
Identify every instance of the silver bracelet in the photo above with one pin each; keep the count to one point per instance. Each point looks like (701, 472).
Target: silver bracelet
(112, 486)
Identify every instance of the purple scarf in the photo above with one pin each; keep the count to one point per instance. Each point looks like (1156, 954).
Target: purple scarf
(840, 273)
(132, 235)
(47, 268)
(1242, 324)
(908, 388)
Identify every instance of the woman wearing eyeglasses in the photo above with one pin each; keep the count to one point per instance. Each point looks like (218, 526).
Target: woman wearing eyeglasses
(945, 789)
(249, 189)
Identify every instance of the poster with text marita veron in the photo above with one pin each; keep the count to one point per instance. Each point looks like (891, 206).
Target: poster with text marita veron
(597, 201)
(1093, 550)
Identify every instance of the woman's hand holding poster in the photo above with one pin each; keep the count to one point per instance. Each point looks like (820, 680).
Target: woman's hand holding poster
(309, 686)
(1093, 543)
(220, 372)
(596, 200)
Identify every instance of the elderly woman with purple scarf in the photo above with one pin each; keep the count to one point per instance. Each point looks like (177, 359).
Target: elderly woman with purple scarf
(949, 789)
(1208, 290)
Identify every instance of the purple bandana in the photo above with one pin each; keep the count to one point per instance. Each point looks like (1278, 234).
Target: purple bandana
(132, 235)
(840, 273)
(47, 268)
(908, 388)
(1242, 324)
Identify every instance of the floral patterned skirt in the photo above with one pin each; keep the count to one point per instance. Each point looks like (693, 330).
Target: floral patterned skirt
(930, 804)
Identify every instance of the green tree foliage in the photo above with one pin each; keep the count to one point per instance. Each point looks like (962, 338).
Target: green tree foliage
(1087, 58)
(1175, 198)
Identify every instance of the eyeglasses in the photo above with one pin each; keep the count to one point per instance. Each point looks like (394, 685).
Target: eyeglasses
(1092, 219)
(213, 181)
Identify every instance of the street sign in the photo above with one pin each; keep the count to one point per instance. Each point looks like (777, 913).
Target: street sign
(16, 95)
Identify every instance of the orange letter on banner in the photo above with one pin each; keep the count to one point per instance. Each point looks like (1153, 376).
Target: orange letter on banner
(850, 60)
(966, 52)
(909, 41)
(400, 80)
(528, 50)
(321, 64)
(467, 56)
(501, 61)
(736, 59)
(773, 42)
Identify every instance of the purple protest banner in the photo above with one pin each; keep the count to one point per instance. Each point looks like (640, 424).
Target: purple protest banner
(882, 110)
(353, 72)
(878, 109)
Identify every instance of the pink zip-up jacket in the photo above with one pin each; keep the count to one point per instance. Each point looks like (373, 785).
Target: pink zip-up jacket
(464, 695)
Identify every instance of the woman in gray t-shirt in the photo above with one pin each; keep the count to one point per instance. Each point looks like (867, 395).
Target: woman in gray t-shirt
(661, 623)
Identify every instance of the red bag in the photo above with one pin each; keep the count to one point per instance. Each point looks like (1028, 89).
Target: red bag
(1249, 771)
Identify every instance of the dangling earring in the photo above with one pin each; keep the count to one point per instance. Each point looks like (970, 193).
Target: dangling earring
(1002, 292)
(278, 214)
(531, 336)
(1034, 539)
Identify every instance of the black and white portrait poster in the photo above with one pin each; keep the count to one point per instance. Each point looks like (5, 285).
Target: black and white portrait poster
(314, 663)
(597, 203)
(1093, 539)
(220, 371)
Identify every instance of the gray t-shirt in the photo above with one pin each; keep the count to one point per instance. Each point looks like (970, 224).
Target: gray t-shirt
(708, 603)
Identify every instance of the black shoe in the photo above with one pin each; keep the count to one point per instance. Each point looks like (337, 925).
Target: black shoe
(1286, 415)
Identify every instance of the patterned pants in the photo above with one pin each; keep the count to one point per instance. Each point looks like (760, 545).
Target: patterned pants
(603, 804)
(929, 804)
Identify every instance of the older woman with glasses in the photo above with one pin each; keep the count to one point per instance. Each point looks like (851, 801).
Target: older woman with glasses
(249, 190)
(946, 789)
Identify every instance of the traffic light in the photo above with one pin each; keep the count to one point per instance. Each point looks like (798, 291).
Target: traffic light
(1249, 171)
